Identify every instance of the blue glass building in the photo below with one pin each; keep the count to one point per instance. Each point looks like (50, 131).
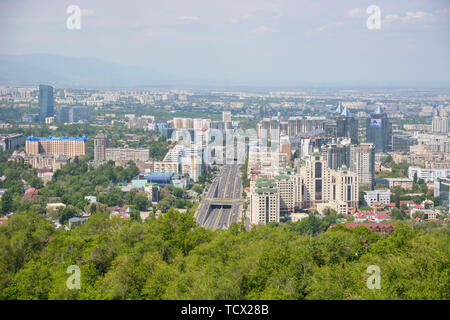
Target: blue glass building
(45, 102)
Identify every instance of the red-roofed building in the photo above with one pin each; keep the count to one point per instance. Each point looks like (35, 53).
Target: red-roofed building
(390, 206)
(381, 217)
(3, 220)
(360, 217)
(30, 194)
(383, 228)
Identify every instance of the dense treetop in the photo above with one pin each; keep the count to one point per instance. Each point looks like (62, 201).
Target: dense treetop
(172, 258)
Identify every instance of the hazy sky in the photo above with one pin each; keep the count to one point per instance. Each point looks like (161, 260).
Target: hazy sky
(244, 41)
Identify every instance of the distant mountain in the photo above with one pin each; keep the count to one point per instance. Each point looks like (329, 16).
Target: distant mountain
(32, 69)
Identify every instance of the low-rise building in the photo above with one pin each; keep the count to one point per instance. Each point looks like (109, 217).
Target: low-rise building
(428, 174)
(404, 183)
(381, 195)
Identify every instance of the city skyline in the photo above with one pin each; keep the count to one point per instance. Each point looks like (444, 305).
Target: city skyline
(281, 43)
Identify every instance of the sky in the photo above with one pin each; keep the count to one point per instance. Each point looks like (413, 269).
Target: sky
(244, 41)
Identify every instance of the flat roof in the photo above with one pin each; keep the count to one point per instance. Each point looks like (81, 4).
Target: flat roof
(33, 138)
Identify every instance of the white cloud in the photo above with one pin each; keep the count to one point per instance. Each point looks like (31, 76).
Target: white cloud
(356, 13)
(410, 16)
(188, 18)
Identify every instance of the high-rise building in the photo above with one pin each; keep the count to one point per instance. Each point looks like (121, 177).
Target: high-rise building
(322, 185)
(11, 141)
(379, 130)
(45, 102)
(336, 155)
(77, 114)
(362, 161)
(347, 126)
(440, 123)
(444, 192)
(67, 146)
(67, 114)
(401, 143)
(264, 202)
(101, 142)
(357, 158)
(192, 165)
(62, 114)
(286, 189)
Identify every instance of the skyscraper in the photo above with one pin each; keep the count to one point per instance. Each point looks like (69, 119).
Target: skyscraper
(101, 142)
(358, 158)
(362, 161)
(347, 126)
(379, 130)
(45, 102)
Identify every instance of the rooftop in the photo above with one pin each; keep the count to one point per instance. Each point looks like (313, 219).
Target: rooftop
(33, 138)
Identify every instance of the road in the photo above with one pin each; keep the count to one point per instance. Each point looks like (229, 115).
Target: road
(222, 205)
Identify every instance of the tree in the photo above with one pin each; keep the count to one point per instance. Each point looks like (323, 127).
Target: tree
(178, 193)
(7, 203)
(67, 213)
(397, 214)
(141, 201)
(164, 205)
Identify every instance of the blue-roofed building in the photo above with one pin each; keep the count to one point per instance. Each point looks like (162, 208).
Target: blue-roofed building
(67, 146)
(161, 178)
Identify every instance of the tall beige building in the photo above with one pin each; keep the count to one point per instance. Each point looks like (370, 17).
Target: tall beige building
(66, 146)
(264, 202)
(286, 190)
(320, 184)
(192, 165)
(101, 142)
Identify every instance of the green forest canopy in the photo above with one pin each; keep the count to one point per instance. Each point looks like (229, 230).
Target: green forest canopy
(172, 258)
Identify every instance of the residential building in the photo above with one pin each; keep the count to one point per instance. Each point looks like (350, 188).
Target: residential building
(127, 154)
(444, 192)
(382, 196)
(286, 189)
(192, 166)
(428, 174)
(162, 166)
(67, 146)
(264, 202)
(101, 143)
(439, 124)
(404, 183)
(320, 184)
(362, 161)
(11, 141)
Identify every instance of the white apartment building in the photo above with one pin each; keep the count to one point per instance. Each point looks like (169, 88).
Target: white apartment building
(383, 196)
(428, 174)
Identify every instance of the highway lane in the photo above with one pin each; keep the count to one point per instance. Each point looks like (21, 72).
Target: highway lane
(227, 185)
